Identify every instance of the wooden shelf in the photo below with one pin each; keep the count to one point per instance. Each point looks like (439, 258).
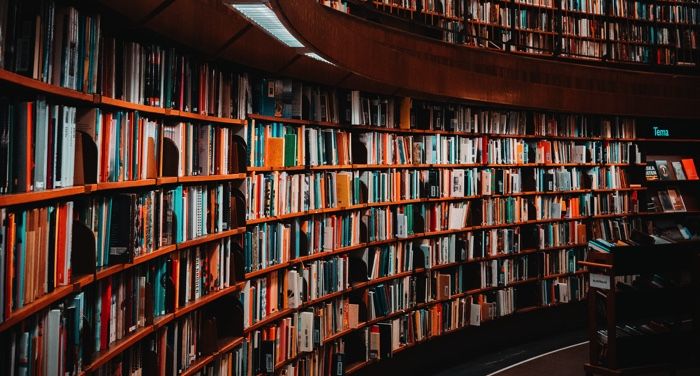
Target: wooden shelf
(282, 217)
(376, 128)
(141, 333)
(428, 166)
(104, 101)
(31, 197)
(62, 292)
(226, 347)
(76, 191)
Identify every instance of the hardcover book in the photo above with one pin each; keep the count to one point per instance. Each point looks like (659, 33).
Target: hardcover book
(689, 167)
(651, 174)
(676, 199)
(678, 170)
(663, 170)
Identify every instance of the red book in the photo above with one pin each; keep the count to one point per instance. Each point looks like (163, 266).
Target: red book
(9, 264)
(60, 246)
(105, 315)
(689, 168)
(485, 150)
(30, 138)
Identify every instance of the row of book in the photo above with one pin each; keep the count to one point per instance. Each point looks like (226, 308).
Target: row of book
(307, 331)
(678, 13)
(65, 46)
(666, 27)
(66, 337)
(49, 246)
(659, 169)
(279, 193)
(296, 100)
(39, 146)
(51, 42)
(301, 337)
(35, 258)
(129, 225)
(269, 244)
(160, 76)
(272, 244)
(278, 291)
(49, 146)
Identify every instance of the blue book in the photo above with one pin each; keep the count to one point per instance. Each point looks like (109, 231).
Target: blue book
(21, 253)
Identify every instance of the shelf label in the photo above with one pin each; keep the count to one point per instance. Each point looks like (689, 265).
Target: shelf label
(658, 132)
(600, 281)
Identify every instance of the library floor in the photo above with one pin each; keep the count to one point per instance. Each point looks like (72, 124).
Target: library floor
(559, 356)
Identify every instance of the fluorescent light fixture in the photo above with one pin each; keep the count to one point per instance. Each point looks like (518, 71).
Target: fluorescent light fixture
(262, 15)
(314, 55)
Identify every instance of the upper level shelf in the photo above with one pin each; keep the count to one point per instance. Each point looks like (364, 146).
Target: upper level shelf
(415, 64)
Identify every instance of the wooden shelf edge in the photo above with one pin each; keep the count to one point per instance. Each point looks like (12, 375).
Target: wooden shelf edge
(36, 196)
(36, 306)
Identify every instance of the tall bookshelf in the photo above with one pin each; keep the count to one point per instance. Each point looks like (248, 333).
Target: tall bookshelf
(640, 33)
(122, 203)
(142, 231)
(420, 220)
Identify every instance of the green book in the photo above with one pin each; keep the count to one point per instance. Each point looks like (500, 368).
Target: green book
(290, 150)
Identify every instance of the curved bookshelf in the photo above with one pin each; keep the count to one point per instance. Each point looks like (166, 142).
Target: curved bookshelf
(8, 77)
(83, 281)
(487, 75)
(119, 347)
(353, 75)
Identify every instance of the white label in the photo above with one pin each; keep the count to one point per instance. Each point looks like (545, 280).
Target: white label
(600, 281)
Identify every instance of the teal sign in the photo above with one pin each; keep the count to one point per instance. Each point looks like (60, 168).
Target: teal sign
(658, 132)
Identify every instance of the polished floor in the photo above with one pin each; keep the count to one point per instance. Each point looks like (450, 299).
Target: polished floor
(562, 355)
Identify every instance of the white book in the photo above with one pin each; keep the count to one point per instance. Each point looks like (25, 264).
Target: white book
(457, 184)
(53, 336)
(306, 329)
(475, 314)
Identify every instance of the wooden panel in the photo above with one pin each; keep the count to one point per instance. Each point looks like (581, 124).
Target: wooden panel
(133, 10)
(257, 49)
(306, 68)
(436, 68)
(200, 24)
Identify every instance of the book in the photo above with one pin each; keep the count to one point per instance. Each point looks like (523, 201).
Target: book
(650, 172)
(663, 170)
(689, 168)
(666, 202)
(274, 152)
(678, 170)
(676, 200)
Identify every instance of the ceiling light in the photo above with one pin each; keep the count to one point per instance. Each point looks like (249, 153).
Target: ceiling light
(314, 55)
(260, 13)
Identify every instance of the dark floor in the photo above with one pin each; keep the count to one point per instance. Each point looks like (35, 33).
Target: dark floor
(501, 359)
(568, 362)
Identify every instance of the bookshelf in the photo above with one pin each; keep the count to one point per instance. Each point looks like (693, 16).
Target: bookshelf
(189, 219)
(629, 336)
(117, 237)
(623, 32)
(365, 258)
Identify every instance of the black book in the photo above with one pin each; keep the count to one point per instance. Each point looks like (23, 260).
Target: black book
(663, 170)
(338, 368)
(121, 236)
(267, 357)
(384, 340)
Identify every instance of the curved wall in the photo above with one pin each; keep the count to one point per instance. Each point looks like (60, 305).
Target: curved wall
(416, 64)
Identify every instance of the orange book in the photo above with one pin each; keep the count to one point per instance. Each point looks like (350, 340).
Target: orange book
(274, 152)
(343, 189)
(689, 168)
(405, 113)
